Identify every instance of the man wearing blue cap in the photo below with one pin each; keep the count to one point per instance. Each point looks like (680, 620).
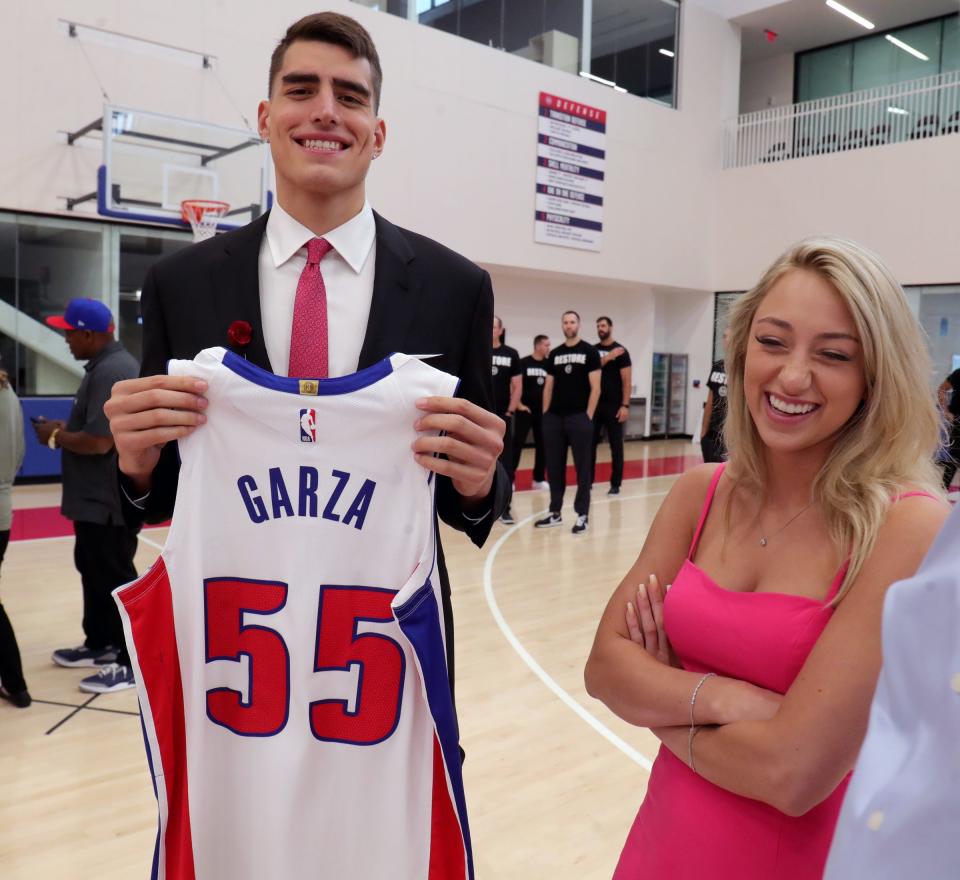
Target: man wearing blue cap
(105, 546)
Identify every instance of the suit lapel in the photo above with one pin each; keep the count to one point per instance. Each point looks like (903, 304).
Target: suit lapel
(236, 287)
(395, 289)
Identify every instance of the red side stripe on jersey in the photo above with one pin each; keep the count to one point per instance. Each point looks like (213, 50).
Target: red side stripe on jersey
(149, 606)
(447, 856)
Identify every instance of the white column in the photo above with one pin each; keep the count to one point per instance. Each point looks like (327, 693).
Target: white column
(586, 38)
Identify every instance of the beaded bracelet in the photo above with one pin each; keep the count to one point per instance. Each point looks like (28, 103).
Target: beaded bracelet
(694, 729)
(696, 690)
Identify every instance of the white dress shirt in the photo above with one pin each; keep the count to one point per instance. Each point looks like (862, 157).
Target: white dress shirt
(347, 276)
(901, 814)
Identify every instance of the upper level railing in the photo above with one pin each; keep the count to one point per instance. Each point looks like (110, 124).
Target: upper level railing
(919, 108)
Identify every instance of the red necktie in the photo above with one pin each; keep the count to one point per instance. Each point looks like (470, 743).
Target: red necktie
(308, 337)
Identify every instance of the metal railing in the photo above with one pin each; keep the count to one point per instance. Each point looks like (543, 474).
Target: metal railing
(919, 108)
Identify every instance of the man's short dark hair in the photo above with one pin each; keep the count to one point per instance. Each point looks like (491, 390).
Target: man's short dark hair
(338, 30)
(570, 312)
(604, 318)
(540, 337)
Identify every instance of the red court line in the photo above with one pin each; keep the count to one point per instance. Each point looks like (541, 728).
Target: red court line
(633, 469)
(30, 523)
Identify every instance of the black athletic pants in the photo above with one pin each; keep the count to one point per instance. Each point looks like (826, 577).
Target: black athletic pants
(608, 419)
(576, 432)
(712, 447)
(104, 557)
(523, 422)
(11, 670)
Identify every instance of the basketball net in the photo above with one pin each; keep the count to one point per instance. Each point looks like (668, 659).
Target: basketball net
(203, 215)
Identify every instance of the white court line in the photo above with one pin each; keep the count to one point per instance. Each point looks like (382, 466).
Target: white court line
(527, 658)
(148, 541)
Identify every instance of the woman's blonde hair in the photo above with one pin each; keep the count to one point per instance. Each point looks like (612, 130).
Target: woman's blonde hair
(888, 446)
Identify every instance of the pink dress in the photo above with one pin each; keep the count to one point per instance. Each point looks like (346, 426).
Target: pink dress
(688, 828)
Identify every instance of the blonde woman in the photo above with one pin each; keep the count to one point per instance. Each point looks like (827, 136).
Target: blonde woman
(757, 669)
(12, 686)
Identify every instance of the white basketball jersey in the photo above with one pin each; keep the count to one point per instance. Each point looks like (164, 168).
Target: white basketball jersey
(288, 644)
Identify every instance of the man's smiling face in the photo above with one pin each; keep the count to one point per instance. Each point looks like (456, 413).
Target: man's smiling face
(321, 121)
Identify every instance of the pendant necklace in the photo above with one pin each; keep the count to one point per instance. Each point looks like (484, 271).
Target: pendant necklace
(765, 539)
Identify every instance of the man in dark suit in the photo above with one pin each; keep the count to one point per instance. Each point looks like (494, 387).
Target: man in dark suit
(386, 290)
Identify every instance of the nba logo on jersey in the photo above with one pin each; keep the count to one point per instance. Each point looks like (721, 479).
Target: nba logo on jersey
(308, 426)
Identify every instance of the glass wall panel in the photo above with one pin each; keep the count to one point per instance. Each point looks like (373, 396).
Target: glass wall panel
(950, 44)
(876, 61)
(9, 352)
(57, 260)
(139, 250)
(825, 72)
(548, 31)
(47, 261)
(635, 45)
(632, 42)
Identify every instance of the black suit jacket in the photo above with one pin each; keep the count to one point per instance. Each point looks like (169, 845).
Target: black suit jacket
(426, 300)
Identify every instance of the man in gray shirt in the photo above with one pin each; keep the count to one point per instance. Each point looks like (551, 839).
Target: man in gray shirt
(105, 546)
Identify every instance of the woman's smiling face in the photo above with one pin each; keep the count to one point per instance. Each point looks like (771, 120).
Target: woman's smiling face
(804, 372)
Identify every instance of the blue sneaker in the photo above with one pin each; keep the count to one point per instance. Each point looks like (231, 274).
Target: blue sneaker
(110, 678)
(83, 656)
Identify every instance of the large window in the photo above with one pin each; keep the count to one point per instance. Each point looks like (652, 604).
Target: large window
(630, 43)
(876, 61)
(47, 261)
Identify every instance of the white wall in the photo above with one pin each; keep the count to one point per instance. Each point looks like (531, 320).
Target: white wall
(899, 200)
(767, 83)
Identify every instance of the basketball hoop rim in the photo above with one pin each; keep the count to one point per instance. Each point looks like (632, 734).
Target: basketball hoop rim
(194, 210)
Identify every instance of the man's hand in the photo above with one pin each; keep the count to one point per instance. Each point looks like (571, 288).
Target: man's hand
(147, 413)
(472, 442)
(45, 427)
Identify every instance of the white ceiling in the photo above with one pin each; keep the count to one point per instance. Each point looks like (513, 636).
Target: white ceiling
(806, 24)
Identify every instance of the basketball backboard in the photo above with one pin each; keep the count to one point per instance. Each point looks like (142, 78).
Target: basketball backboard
(152, 162)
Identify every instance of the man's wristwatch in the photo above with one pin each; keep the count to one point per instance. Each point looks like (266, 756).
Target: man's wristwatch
(52, 439)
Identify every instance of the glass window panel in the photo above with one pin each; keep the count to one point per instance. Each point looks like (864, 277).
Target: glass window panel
(627, 38)
(825, 72)
(950, 46)
(138, 252)
(925, 39)
(875, 63)
(9, 351)
(56, 261)
(548, 31)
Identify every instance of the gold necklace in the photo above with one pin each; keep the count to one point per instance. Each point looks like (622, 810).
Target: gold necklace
(765, 539)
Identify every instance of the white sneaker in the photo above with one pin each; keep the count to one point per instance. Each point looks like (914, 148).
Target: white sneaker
(540, 484)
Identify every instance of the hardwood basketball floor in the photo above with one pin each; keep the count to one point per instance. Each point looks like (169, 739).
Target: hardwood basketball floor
(553, 779)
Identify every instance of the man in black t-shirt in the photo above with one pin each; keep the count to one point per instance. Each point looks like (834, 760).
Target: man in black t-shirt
(614, 406)
(570, 398)
(529, 414)
(951, 412)
(714, 413)
(506, 397)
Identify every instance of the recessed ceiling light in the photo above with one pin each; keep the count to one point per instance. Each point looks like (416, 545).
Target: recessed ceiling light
(906, 48)
(849, 13)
